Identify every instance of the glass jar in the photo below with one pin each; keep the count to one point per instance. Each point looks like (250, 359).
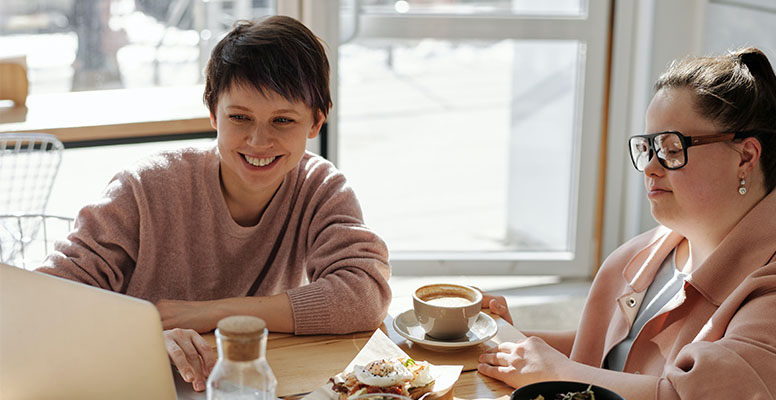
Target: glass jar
(241, 371)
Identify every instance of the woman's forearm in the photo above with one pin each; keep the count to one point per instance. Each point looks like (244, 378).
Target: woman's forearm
(274, 310)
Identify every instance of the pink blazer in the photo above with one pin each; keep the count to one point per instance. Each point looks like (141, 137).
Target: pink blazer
(719, 342)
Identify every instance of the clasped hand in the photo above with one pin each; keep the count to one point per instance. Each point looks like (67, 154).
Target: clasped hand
(518, 364)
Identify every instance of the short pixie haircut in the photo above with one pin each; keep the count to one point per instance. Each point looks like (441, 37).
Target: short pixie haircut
(279, 54)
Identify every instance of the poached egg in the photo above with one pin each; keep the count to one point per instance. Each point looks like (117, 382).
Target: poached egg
(383, 373)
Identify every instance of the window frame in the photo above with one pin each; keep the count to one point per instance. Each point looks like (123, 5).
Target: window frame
(591, 29)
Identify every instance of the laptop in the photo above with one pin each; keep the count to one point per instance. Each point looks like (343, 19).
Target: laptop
(65, 340)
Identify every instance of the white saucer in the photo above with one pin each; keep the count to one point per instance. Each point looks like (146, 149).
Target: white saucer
(407, 325)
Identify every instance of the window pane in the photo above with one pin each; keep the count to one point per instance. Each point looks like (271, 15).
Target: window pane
(469, 7)
(462, 145)
(108, 44)
(741, 23)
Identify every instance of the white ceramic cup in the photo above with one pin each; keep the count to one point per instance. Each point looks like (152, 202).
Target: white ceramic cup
(446, 310)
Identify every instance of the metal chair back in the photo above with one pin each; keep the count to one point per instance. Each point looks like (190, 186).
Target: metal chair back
(28, 167)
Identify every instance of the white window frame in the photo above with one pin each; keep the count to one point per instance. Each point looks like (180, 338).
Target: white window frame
(592, 30)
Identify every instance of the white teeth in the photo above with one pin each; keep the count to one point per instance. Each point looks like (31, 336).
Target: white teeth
(259, 162)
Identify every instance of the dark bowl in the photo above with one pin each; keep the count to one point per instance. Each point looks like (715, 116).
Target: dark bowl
(550, 389)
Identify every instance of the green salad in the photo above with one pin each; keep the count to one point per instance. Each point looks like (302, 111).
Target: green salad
(586, 394)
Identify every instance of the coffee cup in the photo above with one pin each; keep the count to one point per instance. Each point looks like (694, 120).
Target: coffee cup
(446, 310)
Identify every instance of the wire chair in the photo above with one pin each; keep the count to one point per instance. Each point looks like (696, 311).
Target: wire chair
(28, 166)
(28, 249)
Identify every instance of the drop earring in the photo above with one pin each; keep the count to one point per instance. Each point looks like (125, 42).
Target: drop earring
(742, 188)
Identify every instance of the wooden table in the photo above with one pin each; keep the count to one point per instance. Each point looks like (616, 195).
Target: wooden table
(102, 117)
(304, 363)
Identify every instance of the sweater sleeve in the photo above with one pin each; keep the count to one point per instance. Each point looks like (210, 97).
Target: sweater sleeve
(740, 365)
(102, 248)
(347, 266)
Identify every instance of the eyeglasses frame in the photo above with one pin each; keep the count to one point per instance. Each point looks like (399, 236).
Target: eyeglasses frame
(687, 142)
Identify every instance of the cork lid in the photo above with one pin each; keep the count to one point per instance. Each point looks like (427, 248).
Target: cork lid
(241, 335)
(241, 326)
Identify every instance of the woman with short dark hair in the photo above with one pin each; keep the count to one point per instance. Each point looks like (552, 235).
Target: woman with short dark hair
(252, 226)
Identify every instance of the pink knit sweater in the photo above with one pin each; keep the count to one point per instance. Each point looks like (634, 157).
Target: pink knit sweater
(162, 231)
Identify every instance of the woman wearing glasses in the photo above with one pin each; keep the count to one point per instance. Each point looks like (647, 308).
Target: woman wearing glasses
(688, 309)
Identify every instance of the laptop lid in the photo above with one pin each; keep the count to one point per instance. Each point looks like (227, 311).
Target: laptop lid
(66, 340)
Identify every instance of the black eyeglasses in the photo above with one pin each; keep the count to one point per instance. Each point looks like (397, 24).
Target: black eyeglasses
(671, 147)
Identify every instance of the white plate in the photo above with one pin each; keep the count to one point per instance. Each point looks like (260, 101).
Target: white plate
(407, 325)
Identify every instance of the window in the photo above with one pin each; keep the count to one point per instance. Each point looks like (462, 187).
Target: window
(111, 44)
(732, 24)
(470, 130)
(471, 141)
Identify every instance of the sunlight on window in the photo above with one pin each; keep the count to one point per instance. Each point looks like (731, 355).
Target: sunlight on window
(112, 44)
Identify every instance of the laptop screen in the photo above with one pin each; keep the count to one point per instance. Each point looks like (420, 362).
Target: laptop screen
(62, 339)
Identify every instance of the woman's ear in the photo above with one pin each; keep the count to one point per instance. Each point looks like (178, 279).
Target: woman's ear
(213, 121)
(751, 149)
(316, 128)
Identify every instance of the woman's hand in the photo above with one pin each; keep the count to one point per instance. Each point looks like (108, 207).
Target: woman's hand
(497, 304)
(196, 315)
(518, 364)
(191, 354)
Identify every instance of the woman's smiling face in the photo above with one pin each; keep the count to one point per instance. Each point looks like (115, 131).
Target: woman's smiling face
(261, 137)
